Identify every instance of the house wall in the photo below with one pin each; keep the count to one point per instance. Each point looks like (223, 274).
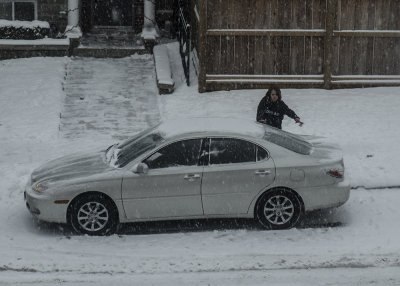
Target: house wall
(14, 52)
(86, 15)
(297, 42)
(49, 10)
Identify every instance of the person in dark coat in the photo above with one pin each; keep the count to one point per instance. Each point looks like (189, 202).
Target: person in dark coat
(272, 109)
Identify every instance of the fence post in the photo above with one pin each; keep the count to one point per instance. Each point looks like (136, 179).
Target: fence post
(202, 44)
(187, 53)
(330, 22)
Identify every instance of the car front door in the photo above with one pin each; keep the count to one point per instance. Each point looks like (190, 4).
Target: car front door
(236, 172)
(170, 188)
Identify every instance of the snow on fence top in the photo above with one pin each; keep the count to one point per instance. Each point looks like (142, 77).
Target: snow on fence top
(24, 24)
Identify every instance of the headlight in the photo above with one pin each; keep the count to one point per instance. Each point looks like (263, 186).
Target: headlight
(40, 187)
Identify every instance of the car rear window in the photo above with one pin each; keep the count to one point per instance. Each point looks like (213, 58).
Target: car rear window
(289, 141)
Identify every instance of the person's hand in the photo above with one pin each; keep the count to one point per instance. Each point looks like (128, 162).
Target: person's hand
(297, 119)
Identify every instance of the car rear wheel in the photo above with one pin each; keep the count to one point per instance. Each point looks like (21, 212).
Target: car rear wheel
(94, 214)
(278, 209)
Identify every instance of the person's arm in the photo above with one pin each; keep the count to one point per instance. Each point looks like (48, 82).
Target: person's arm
(287, 111)
(291, 113)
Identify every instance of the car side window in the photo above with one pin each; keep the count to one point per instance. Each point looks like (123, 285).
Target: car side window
(181, 153)
(262, 154)
(230, 150)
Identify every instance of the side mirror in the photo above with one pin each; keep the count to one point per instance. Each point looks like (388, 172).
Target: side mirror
(140, 168)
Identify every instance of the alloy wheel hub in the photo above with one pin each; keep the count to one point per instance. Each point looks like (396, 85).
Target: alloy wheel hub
(93, 216)
(278, 210)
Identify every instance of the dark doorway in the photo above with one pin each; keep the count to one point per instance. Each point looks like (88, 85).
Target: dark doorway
(112, 12)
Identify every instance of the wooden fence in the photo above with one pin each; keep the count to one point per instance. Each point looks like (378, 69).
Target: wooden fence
(296, 43)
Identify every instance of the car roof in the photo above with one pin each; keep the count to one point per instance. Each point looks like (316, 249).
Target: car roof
(211, 126)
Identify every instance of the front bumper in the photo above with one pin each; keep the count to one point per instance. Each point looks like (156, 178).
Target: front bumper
(44, 206)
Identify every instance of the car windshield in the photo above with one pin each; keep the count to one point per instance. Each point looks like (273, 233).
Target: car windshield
(287, 140)
(134, 147)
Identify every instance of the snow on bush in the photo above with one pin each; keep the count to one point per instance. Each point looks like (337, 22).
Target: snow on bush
(23, 30)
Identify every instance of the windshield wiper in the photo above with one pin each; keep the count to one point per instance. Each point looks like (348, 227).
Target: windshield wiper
(108, 148)
(111, 149)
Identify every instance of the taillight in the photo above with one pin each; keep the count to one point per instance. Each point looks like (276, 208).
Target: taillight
(336, 173)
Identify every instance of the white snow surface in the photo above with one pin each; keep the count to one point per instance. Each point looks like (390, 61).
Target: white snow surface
(356, 244)
(38, 42)
(24, 24)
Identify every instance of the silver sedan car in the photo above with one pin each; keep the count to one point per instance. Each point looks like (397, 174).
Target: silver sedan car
(191, 169)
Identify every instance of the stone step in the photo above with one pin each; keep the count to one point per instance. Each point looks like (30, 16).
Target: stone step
(115, 34)
(110, 29)
(118, 34)
(112, 39)
(98, 52)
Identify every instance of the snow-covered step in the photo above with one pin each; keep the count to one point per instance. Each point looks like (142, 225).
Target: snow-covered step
(115, 97)
(107, 52)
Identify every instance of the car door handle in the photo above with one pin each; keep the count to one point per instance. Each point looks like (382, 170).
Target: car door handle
(191, 177)
(262, 172)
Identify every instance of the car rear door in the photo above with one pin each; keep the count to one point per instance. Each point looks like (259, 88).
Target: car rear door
(236, 172)
(171, 188)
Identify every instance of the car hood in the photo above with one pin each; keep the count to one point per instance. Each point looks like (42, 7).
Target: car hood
(71, 167)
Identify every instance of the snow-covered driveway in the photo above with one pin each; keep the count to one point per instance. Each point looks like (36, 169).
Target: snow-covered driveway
(356, 244)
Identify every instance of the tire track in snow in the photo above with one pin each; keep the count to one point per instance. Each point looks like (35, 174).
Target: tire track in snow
(176, 265)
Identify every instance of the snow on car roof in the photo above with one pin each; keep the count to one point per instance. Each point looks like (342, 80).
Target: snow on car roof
(177, 127)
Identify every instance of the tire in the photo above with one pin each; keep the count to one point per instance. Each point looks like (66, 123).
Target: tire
(278, 209)
(94, 214)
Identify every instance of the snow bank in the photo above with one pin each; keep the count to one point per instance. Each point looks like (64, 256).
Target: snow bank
(163, 70)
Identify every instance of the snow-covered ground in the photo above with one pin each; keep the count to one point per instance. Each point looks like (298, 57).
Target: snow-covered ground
(356, 244)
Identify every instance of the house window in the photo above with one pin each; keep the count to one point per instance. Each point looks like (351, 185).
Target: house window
(24, 10)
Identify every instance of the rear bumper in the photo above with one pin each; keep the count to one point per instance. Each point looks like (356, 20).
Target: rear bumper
(324, 196)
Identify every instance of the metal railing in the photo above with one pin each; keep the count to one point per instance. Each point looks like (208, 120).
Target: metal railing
(183, 34)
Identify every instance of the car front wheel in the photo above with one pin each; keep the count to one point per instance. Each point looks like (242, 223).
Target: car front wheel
(278, 209)
(94, 214)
